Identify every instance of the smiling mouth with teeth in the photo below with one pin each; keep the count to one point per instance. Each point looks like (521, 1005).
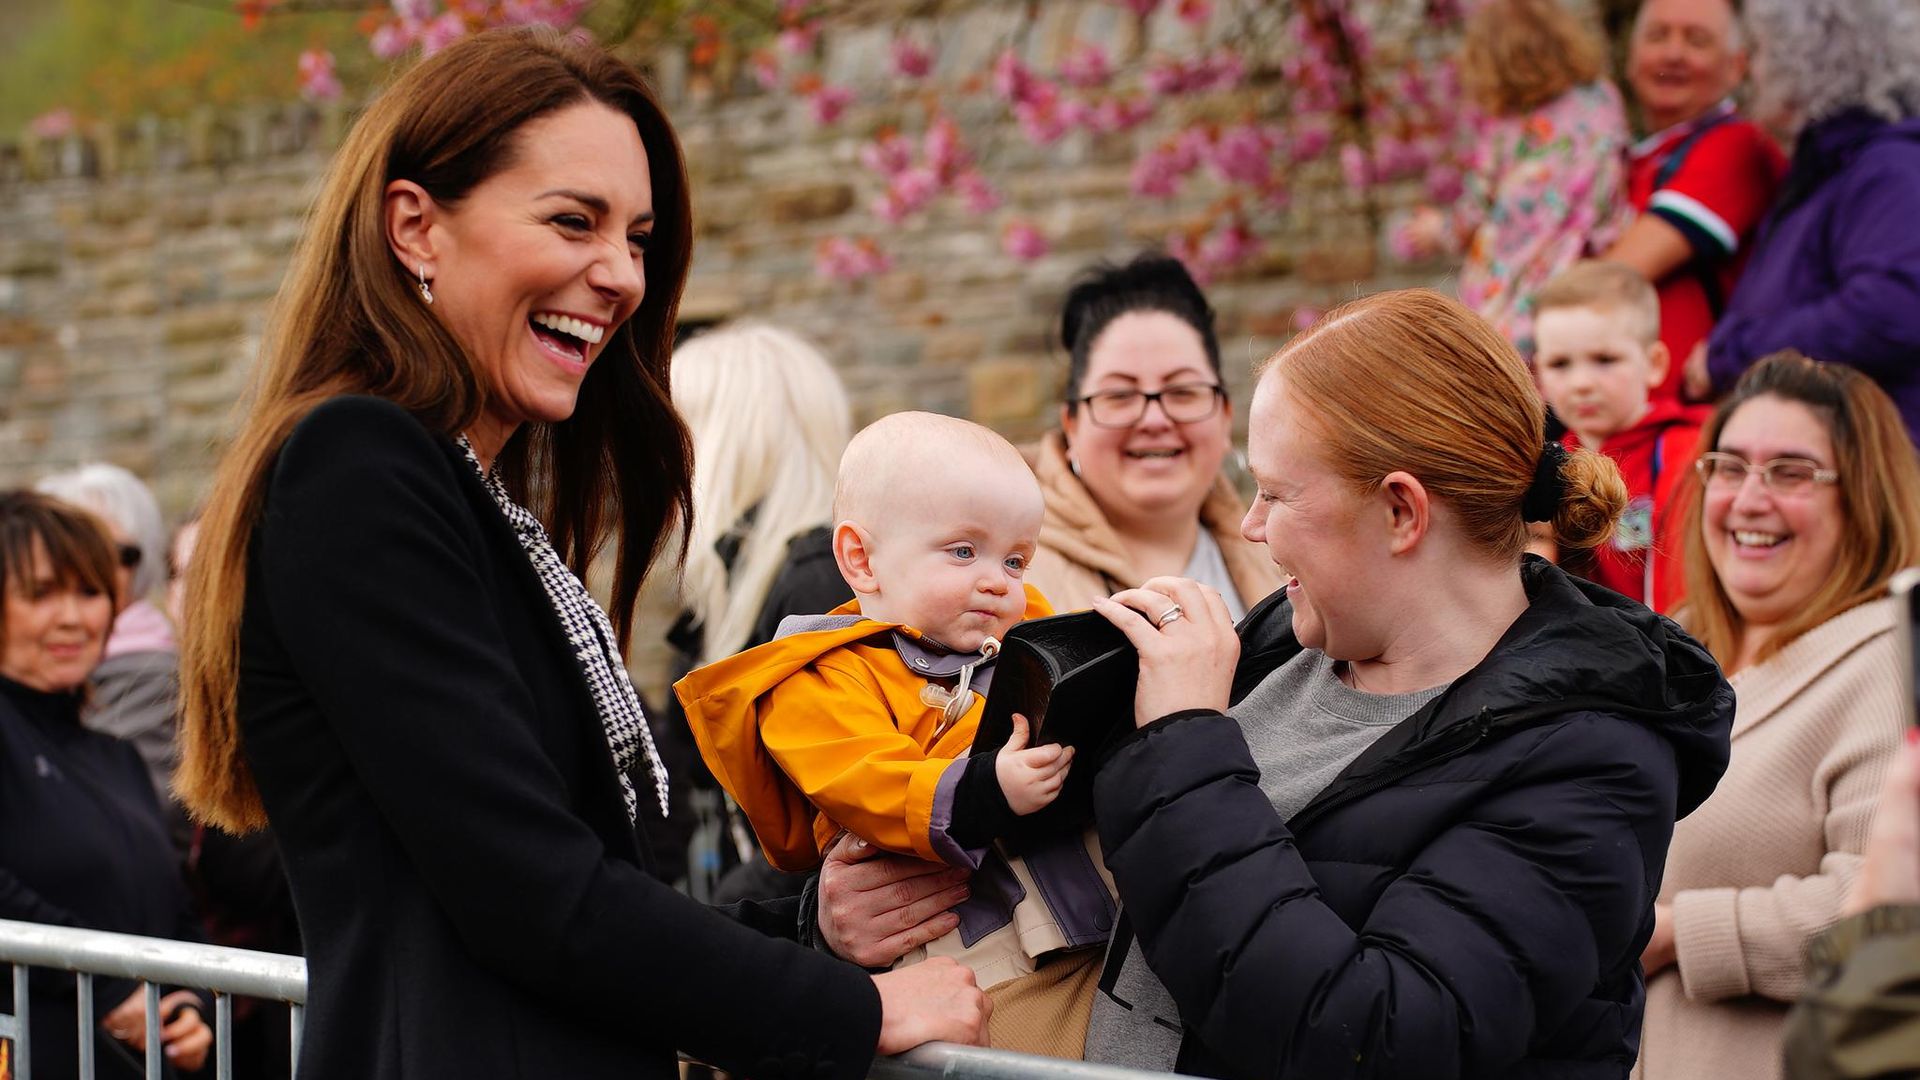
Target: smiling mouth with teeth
(1757, 539)
(1170, 452)
(565, 333)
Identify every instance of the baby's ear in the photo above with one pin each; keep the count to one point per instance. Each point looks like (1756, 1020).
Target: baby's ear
(853, 553)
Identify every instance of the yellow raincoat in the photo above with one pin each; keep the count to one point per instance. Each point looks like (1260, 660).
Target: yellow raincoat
(826, 730)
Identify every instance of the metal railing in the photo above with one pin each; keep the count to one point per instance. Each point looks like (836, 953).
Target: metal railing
(157, 962)
(227, 972)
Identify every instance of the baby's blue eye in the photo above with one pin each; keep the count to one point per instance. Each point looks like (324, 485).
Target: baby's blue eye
(1016, 563)
(962, 551)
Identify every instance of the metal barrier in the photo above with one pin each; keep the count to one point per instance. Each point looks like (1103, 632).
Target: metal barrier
(227, 972)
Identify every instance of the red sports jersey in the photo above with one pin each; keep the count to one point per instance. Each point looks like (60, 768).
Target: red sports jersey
(1642, 560)
(1712, 178)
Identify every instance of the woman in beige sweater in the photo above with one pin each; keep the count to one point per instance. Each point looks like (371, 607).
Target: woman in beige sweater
(1132, 478)
(1808, 503)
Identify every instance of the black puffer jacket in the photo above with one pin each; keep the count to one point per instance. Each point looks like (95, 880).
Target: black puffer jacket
(1469, 898)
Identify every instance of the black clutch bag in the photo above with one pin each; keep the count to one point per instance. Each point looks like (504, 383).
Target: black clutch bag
(1072, 677)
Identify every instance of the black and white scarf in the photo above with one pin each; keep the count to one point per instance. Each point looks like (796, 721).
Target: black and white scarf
(591, 634)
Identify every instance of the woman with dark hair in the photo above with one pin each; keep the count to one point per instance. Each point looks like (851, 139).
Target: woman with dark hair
(393, 657)
(1133, 477)
(83, 842)
(1807, 504)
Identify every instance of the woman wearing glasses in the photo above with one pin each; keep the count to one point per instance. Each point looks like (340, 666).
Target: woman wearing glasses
(1808, 502)
(1132, 478)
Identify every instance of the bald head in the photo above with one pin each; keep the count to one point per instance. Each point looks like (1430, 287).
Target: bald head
(898, 458)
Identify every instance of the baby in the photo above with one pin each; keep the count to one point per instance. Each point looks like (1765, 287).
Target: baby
(1598, 358)
(862, 720)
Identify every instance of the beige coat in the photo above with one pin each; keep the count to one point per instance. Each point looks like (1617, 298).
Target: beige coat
(1763, 865)
(1080, 557)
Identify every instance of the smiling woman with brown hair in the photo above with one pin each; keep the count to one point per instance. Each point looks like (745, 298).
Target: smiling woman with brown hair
(394, 658)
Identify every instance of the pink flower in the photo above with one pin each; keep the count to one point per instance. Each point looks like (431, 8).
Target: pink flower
(829, 102)
(975, 193)
(389, 40)
(946, 154)
(1040, 120)
(911, 60)
(317, 81)
(1276, 197)
(1013, 81)
(53, 124)
(1305, 317)
(849, 260)
(1130, 113)
(1311, 138)
(765, 66)
(1167, 79)
(1230, 245)
(798, 40)
(1086, 66)
(889, 155)
(914, 188)
(442, 32)
(1023, 241)
(1195, 13)
(1157, 173)
(1242, 154)
(1182, 247)
(414, 11)
(1355, 167)
(556, 13)
(1221, 71)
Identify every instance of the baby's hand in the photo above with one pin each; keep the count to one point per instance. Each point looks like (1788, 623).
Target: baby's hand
(1030, 778)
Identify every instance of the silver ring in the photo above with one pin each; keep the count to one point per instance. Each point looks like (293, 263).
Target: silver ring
(1172, 614)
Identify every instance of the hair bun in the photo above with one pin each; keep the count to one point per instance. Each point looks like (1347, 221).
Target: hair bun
(1594, 498)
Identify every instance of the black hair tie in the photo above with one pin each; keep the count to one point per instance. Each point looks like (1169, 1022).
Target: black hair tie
(1549, 488)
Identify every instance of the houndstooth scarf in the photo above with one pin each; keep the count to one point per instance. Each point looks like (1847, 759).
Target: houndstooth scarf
(591, 634)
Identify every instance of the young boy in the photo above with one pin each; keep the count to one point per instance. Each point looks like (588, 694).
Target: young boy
(1598, 357)
(861, 720)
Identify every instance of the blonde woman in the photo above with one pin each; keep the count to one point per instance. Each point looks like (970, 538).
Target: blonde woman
(1808, 504)
(769, 419)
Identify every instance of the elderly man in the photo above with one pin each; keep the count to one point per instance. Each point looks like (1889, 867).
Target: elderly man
(1703, 180)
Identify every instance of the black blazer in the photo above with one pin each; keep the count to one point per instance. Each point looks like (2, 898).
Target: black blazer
(473, 900)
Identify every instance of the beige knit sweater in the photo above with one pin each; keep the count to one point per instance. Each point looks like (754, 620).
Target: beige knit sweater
(1764, 864)
(1081, 558)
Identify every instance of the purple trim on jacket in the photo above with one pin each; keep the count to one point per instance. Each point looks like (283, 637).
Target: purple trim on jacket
(1064, 873)
(1835, 271)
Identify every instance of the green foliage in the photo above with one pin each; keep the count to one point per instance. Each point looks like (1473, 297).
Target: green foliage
(106, 59)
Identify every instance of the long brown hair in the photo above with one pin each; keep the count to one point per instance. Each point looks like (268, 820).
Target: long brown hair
(76, 542)
(1879, 501)
(1412, 380)
(347, 320)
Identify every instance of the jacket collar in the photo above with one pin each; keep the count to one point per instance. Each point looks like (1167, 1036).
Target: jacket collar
(1768, 687)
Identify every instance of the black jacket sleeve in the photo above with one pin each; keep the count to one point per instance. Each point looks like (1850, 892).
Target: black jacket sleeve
(1498, 929)
(373, 566)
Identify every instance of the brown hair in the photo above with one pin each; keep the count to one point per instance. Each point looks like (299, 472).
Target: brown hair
(348, 321)
(1879, 500)
(1413, 381)
(1611, 287)
(1517, 55)
(76, 543)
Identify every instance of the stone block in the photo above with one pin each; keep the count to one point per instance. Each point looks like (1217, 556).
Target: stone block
(1002, 391)
(29, 257)
(17, 330)
(1338, 264)
(807, 202)
(192, 327)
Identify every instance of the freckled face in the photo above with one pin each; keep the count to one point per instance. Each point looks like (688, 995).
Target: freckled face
(1316, 529)
(540, 264)
(55, 630)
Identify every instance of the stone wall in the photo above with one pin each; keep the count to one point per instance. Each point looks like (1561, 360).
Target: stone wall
(136, 266)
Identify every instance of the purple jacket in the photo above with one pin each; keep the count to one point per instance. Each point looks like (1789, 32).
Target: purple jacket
(1835, 271)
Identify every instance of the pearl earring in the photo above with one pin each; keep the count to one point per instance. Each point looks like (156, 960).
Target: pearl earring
(1074, 464)
(426, 292)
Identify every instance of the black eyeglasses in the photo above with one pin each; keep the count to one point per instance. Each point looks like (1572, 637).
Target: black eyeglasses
(129, 556)
(1184, 403)
(1784, 475)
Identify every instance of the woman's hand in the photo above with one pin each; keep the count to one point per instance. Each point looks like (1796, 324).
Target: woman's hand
(1186, 659)
(1890, 873)
(1660, 951)
(876, 906)
(933, 1000)
(185, 1039)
